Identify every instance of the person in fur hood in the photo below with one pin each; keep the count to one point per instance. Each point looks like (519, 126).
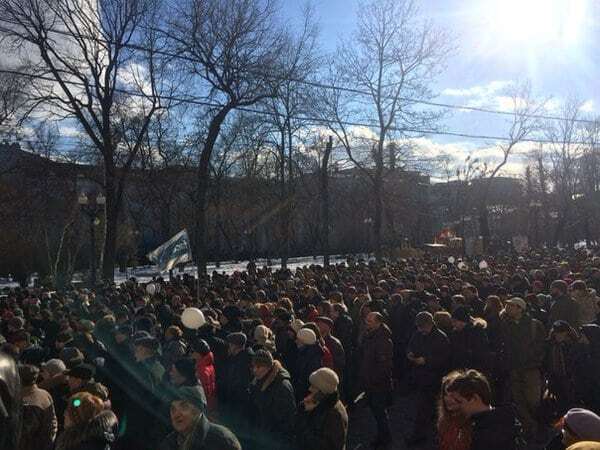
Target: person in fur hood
(322, 422)
(88, 425)
(273, 403)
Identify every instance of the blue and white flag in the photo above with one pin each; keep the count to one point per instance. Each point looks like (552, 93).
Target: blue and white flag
(175, 251)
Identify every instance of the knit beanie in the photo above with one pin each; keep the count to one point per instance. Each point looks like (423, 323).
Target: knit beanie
(306, 336)
(324, 380)
(83, 407)
(263, 358)
(193, 395)
(584, 423)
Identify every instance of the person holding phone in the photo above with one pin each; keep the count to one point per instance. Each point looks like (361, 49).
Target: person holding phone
(322, 421)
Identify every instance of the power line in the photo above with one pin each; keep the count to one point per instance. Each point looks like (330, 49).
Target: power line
(307, 119)
(307, 82)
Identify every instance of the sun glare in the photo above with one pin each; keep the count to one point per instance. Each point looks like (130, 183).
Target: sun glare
(533, 23)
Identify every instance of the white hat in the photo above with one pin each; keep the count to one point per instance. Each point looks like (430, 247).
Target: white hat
(517, 301)
(306, 336)
(324, 380)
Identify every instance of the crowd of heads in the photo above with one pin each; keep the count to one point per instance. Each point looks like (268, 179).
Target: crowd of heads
(124, 349)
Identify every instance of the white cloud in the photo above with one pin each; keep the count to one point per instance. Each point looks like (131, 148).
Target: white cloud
(478, 91)
(587, 106)
(456, 153)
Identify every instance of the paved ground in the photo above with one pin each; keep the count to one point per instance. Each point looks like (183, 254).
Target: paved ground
(362, 426)
(362, 429)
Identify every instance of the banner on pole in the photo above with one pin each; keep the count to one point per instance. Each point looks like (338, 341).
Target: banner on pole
(175, 251)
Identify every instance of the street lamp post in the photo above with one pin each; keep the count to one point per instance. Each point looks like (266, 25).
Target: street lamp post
(92, 206)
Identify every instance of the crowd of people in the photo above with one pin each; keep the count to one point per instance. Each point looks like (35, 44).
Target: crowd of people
(497, 355)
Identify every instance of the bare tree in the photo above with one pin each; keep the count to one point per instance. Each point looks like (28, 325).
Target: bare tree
(393, 57)
(292, 102)
(566, 149)
(9, 97)
(84, 51)
(232, 50)
(522, 125)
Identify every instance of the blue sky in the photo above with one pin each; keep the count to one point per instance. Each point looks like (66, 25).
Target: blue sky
(555, 44)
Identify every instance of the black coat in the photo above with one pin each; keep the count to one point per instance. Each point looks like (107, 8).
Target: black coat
(377, 360)
(323, 428)
(564, 308)
(496, 429)
(274, 405)
(435, 348)
(343, 329)
(309, 359)
(206, 436)
(469, 348)
(236, 377)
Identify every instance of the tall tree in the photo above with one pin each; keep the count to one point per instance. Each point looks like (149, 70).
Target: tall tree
(522, 124)
(565, 149)
(232, 49)
(393, 57)
(84, 49)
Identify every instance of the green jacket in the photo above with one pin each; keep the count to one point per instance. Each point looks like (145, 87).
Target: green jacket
(524, 342)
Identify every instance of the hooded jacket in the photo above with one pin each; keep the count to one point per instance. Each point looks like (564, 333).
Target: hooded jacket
(274, 406)
(323, 428)
(205, 371)
(98, 434)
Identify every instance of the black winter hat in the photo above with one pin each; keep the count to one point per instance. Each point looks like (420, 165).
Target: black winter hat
(461, 314)
(148, 342)
(232, 312)
(200, 346)
(187, 368)
(83, 371)
(238, 339)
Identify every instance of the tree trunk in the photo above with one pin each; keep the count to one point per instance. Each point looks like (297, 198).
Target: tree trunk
(110, 223)
(282, 202)
(378, 191)
(484, 226)
(325, 203)
(200, 231)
